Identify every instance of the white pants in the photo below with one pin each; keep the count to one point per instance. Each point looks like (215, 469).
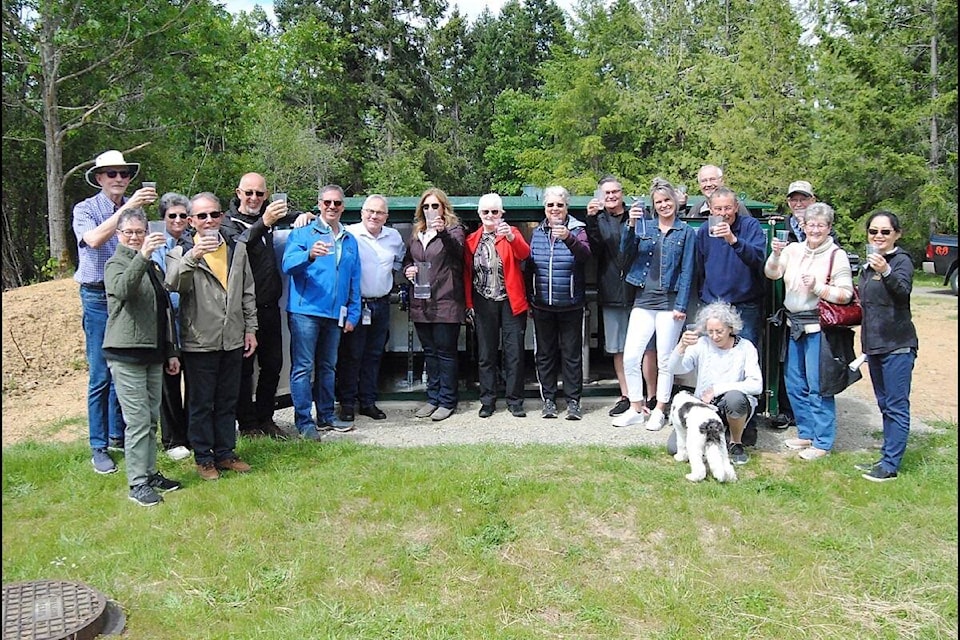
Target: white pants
(643, 324)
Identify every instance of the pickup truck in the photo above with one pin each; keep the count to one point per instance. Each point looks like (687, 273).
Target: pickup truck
(941, 259)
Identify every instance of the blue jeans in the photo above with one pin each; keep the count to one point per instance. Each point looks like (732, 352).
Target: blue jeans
(358, 369)
(752, 315)
(891, 374)
(313, 359)
(816, 416)
(104, 417)
(439, 340)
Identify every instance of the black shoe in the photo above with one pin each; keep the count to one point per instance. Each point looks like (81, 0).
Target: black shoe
(573, 410)
(866, 467)
(622, 405)
(164, 485)
(347, 414)
(737, 453)
(373, 411)
(652, 403)
(517, 411)
(549, 409)
(273, 430)
(486, 410)
(324, 426)
(877, 474)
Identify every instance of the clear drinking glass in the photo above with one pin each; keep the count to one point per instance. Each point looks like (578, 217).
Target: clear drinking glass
(421, 282)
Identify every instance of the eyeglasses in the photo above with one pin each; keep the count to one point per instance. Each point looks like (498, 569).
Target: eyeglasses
(612, 192)
(374, 212)
(883, 232)
(174, 216)
(133, 233)
(430, 205)
(250, 192)
(203, 216)
(113, 174)
(332, 203)
(555, 205)
(491, 212)
(717, 332)
(815, 226)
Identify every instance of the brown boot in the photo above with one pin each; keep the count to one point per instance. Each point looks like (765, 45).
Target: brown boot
(208, 471)
(233, 464)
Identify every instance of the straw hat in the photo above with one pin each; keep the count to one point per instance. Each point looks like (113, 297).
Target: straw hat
(112, 158)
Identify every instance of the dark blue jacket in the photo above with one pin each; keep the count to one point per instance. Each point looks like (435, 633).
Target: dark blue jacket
(677, 256)
(558, 268)
(732, 273)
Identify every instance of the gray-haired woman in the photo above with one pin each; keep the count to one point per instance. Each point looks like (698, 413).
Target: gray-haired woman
(728, 370)
(139, 343)
(806, 268)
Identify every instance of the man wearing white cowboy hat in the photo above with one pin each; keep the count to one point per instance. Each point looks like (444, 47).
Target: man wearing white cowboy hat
(95, 225)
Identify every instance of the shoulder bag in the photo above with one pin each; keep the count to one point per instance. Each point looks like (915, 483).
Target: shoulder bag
(833, 314)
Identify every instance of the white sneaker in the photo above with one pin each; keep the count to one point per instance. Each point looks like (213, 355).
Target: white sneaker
(628, 418)
(178, 453)
(655, 421)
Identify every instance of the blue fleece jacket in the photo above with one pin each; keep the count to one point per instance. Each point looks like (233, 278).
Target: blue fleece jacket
(322, 286)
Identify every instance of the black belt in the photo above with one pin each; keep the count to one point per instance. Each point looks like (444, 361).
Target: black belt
(93, 285)
(385, 298)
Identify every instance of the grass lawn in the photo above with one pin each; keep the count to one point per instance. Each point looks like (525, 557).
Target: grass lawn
(348, 541)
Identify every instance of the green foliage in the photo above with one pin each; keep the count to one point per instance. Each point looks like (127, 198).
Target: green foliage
(498, 542)
(387, 95)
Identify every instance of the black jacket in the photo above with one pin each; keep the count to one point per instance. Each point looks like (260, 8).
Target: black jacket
(887, 322)
(239, 227)
(603, 232)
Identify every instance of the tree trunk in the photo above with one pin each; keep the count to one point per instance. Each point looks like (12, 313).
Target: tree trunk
(53, 136)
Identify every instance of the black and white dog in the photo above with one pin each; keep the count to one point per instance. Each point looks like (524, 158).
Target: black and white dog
(700, 433)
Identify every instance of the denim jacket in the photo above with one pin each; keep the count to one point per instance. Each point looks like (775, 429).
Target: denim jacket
(677, 256)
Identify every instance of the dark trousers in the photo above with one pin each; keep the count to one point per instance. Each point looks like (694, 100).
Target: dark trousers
(358, 363)
(213, 379)
(559, 349)
(269, 356)
(173, 415)
(494, 321)
(439, 340)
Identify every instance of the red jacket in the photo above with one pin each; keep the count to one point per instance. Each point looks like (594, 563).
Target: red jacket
(511, 254)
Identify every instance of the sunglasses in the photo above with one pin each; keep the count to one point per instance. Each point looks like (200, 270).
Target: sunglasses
(250, 192)
(203, 216)
(113, 174)
(883, 232)
(332, 203)
(430, 205)
(174, 216)
(133, 233)
(490, 212)
(555, 205)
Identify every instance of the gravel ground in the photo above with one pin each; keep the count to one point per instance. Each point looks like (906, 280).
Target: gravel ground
(858, 425)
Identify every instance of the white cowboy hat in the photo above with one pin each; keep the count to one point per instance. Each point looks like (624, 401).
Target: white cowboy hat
(112, 158)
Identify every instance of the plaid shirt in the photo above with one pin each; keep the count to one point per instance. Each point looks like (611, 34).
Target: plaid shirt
(88, 215)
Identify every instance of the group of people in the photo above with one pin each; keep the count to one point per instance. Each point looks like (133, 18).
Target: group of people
(174, 321)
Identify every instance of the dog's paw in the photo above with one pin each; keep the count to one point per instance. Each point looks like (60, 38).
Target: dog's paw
(680, 457)
(695, 477)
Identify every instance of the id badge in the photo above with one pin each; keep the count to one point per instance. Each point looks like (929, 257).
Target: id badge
(367, 317)
(343, 316)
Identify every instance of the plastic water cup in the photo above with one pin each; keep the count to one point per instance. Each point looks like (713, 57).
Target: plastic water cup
(421, 282)
(871, 249)
(150, 185)
(692, 328)
(713, 222)
(782, 236)
(278, 196)
(156, 226)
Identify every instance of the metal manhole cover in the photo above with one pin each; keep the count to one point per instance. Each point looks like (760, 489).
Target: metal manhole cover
(52, 610)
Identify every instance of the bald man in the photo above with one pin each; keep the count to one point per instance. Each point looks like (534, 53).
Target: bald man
(251, 220)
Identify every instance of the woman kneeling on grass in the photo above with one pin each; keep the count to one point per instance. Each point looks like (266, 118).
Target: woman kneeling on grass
(139, 342)
(728, 371)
